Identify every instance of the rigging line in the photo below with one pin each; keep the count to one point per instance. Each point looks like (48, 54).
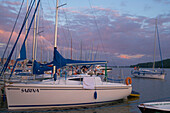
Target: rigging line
(42, 40)
(41, 21)
(45, 47)
(96, 52)
(154, 46)
(65, 37)
(97, 25)
(26, 16)
(27, 31)
(49, 26)
(51, 11)
(37, 29)
(67, 26)
(12, 31)
(98, 32)
(23, 24)
(159, 46)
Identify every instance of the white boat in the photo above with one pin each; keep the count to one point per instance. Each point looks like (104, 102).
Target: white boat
(157, 74)
(64, 93)
(155, 107)
(148, 74)
(102, 68)
(78, 90)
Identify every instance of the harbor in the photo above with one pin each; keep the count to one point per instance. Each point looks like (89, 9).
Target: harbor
(73, 58)
(151, 90)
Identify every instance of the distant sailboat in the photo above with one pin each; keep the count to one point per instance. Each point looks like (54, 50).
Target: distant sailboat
(158, 74)
(156, 107)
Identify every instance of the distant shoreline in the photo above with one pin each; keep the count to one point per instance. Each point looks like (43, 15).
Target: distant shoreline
(166, 64)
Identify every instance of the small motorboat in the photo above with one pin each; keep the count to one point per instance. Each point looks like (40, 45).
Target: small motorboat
(155, 107)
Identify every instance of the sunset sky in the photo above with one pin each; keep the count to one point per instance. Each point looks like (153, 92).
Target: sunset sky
(119, 31)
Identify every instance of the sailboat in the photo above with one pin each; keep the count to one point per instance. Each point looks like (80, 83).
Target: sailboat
(145, 73)
(3, 79)
(64, 92)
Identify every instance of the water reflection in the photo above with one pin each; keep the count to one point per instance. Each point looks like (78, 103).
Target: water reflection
(149, 89)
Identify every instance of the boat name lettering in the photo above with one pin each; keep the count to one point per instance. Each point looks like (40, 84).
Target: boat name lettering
(23, 90)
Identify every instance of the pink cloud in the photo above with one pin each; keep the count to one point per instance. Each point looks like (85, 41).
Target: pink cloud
(125, 56)
(4, 36)
(107, 10)
(130, 36)
(12, 2)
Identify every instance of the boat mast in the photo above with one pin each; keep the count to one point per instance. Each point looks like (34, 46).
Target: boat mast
(155, 45)
(159, 48)
(26, 29)
(55, 37)
(81, 50)
(34, 35)
(34, 40)
(92, 53)
(71, 49)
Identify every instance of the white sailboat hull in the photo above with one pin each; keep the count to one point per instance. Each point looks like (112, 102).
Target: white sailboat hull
(162, 76)
(148, 74)
(47, 96)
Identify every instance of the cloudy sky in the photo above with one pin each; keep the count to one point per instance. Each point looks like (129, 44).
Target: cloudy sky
(119, 31)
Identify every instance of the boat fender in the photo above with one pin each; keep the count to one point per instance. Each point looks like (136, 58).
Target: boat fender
(128, 80)
(95, 95)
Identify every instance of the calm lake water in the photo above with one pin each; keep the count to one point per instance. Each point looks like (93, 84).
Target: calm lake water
(150, 90)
